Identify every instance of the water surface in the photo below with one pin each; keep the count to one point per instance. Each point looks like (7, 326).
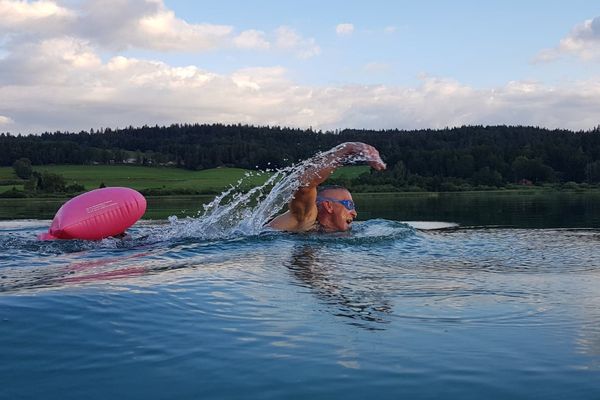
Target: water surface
(506, 305)
(542, 209)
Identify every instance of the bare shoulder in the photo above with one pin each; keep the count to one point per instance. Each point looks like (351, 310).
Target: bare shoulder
(289, 223)
(302, 213)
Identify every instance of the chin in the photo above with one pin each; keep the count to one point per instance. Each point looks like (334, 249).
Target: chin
(341, 228)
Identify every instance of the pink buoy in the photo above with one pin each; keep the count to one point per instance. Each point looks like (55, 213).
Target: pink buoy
(97, 214)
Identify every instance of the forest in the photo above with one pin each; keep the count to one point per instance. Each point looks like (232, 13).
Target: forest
(462, 158)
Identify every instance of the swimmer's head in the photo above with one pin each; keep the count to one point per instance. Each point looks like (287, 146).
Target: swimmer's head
(336, 208)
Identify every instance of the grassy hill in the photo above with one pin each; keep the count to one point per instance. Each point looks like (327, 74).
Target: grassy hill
(160, 178)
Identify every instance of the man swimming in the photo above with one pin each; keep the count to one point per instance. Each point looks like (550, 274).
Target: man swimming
(326, 209)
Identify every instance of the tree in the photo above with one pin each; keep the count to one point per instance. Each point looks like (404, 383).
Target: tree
(75, 188)
(46, 182)
(400, 173)
(488, 177)
(532, 169)
(23, 168)
(592, 172)
(52, 183)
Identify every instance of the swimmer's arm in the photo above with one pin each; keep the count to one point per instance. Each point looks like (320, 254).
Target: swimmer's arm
(323, 165)
(303, 211)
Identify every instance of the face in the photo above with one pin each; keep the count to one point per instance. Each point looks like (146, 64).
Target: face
(336, 217)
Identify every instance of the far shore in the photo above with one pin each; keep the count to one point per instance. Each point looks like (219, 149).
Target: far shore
(492, 192)
(177, 182)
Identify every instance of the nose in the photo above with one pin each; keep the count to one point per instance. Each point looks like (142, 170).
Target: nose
(353, 213)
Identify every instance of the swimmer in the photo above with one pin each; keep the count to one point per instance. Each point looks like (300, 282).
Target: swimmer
(328, 208)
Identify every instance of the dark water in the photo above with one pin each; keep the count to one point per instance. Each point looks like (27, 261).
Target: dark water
(506, 209)
(502, 209)
(505, 306)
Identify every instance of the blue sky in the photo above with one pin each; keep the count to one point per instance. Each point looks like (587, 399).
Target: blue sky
(480, 43)
(82, 64)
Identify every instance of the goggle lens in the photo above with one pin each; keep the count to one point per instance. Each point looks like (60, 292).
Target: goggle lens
(348, 204)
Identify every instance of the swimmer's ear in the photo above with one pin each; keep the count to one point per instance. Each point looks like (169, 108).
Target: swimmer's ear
(328, 206)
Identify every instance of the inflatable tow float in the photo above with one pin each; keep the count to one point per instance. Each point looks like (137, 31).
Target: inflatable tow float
(97, 214)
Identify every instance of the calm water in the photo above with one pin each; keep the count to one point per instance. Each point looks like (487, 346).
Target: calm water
(507, 305)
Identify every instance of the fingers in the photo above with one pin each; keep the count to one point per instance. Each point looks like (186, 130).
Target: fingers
(377, 165)
(369, 152)
(374, 159)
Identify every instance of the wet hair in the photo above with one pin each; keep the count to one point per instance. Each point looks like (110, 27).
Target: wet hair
(321, 189)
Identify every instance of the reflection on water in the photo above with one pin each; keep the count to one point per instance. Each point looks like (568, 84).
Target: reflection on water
(524, 210)
(355, 296)
(506, 209)
(215, 306)
(427, 314)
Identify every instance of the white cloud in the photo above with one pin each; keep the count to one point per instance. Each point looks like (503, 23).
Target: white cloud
(251, 39)
(66, 86)
(148, 24)
(344, 29)
(53, 61)
(37, 16)
(583, 41)
(259, 78)
(163, 31)
(390, 29)
(56, 79)
(288, 39)
(142, 24)
(154, 75)
(113, 24)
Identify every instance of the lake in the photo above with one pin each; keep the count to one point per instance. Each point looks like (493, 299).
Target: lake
(506, 305)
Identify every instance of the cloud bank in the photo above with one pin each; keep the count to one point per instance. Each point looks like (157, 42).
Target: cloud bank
(67, 86)
(60, 69)
(117, 25)
(36, 16)
(583, 41)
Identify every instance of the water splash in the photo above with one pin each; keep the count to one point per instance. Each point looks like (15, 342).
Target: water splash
(235, 213)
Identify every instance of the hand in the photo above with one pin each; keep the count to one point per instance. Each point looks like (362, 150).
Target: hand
(370, 154)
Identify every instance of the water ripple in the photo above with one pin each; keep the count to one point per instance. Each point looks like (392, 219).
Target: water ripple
(370, 276)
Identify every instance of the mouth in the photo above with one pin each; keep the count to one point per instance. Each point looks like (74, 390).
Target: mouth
(349, 221)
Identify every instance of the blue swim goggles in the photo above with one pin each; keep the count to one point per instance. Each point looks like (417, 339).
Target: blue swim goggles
(348, 204)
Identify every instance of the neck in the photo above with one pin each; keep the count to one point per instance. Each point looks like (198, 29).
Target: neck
(323, 226)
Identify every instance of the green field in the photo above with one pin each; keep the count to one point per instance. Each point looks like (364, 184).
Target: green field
(164, 178)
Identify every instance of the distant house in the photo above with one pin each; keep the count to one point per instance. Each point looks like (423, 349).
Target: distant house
(131, 160)
(525, 182)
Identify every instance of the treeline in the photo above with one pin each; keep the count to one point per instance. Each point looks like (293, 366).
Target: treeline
(447, 159)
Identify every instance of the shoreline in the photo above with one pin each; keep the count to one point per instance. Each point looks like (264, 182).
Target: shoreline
(500, 191)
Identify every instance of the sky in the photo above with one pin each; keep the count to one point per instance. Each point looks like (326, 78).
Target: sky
(74, 65)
